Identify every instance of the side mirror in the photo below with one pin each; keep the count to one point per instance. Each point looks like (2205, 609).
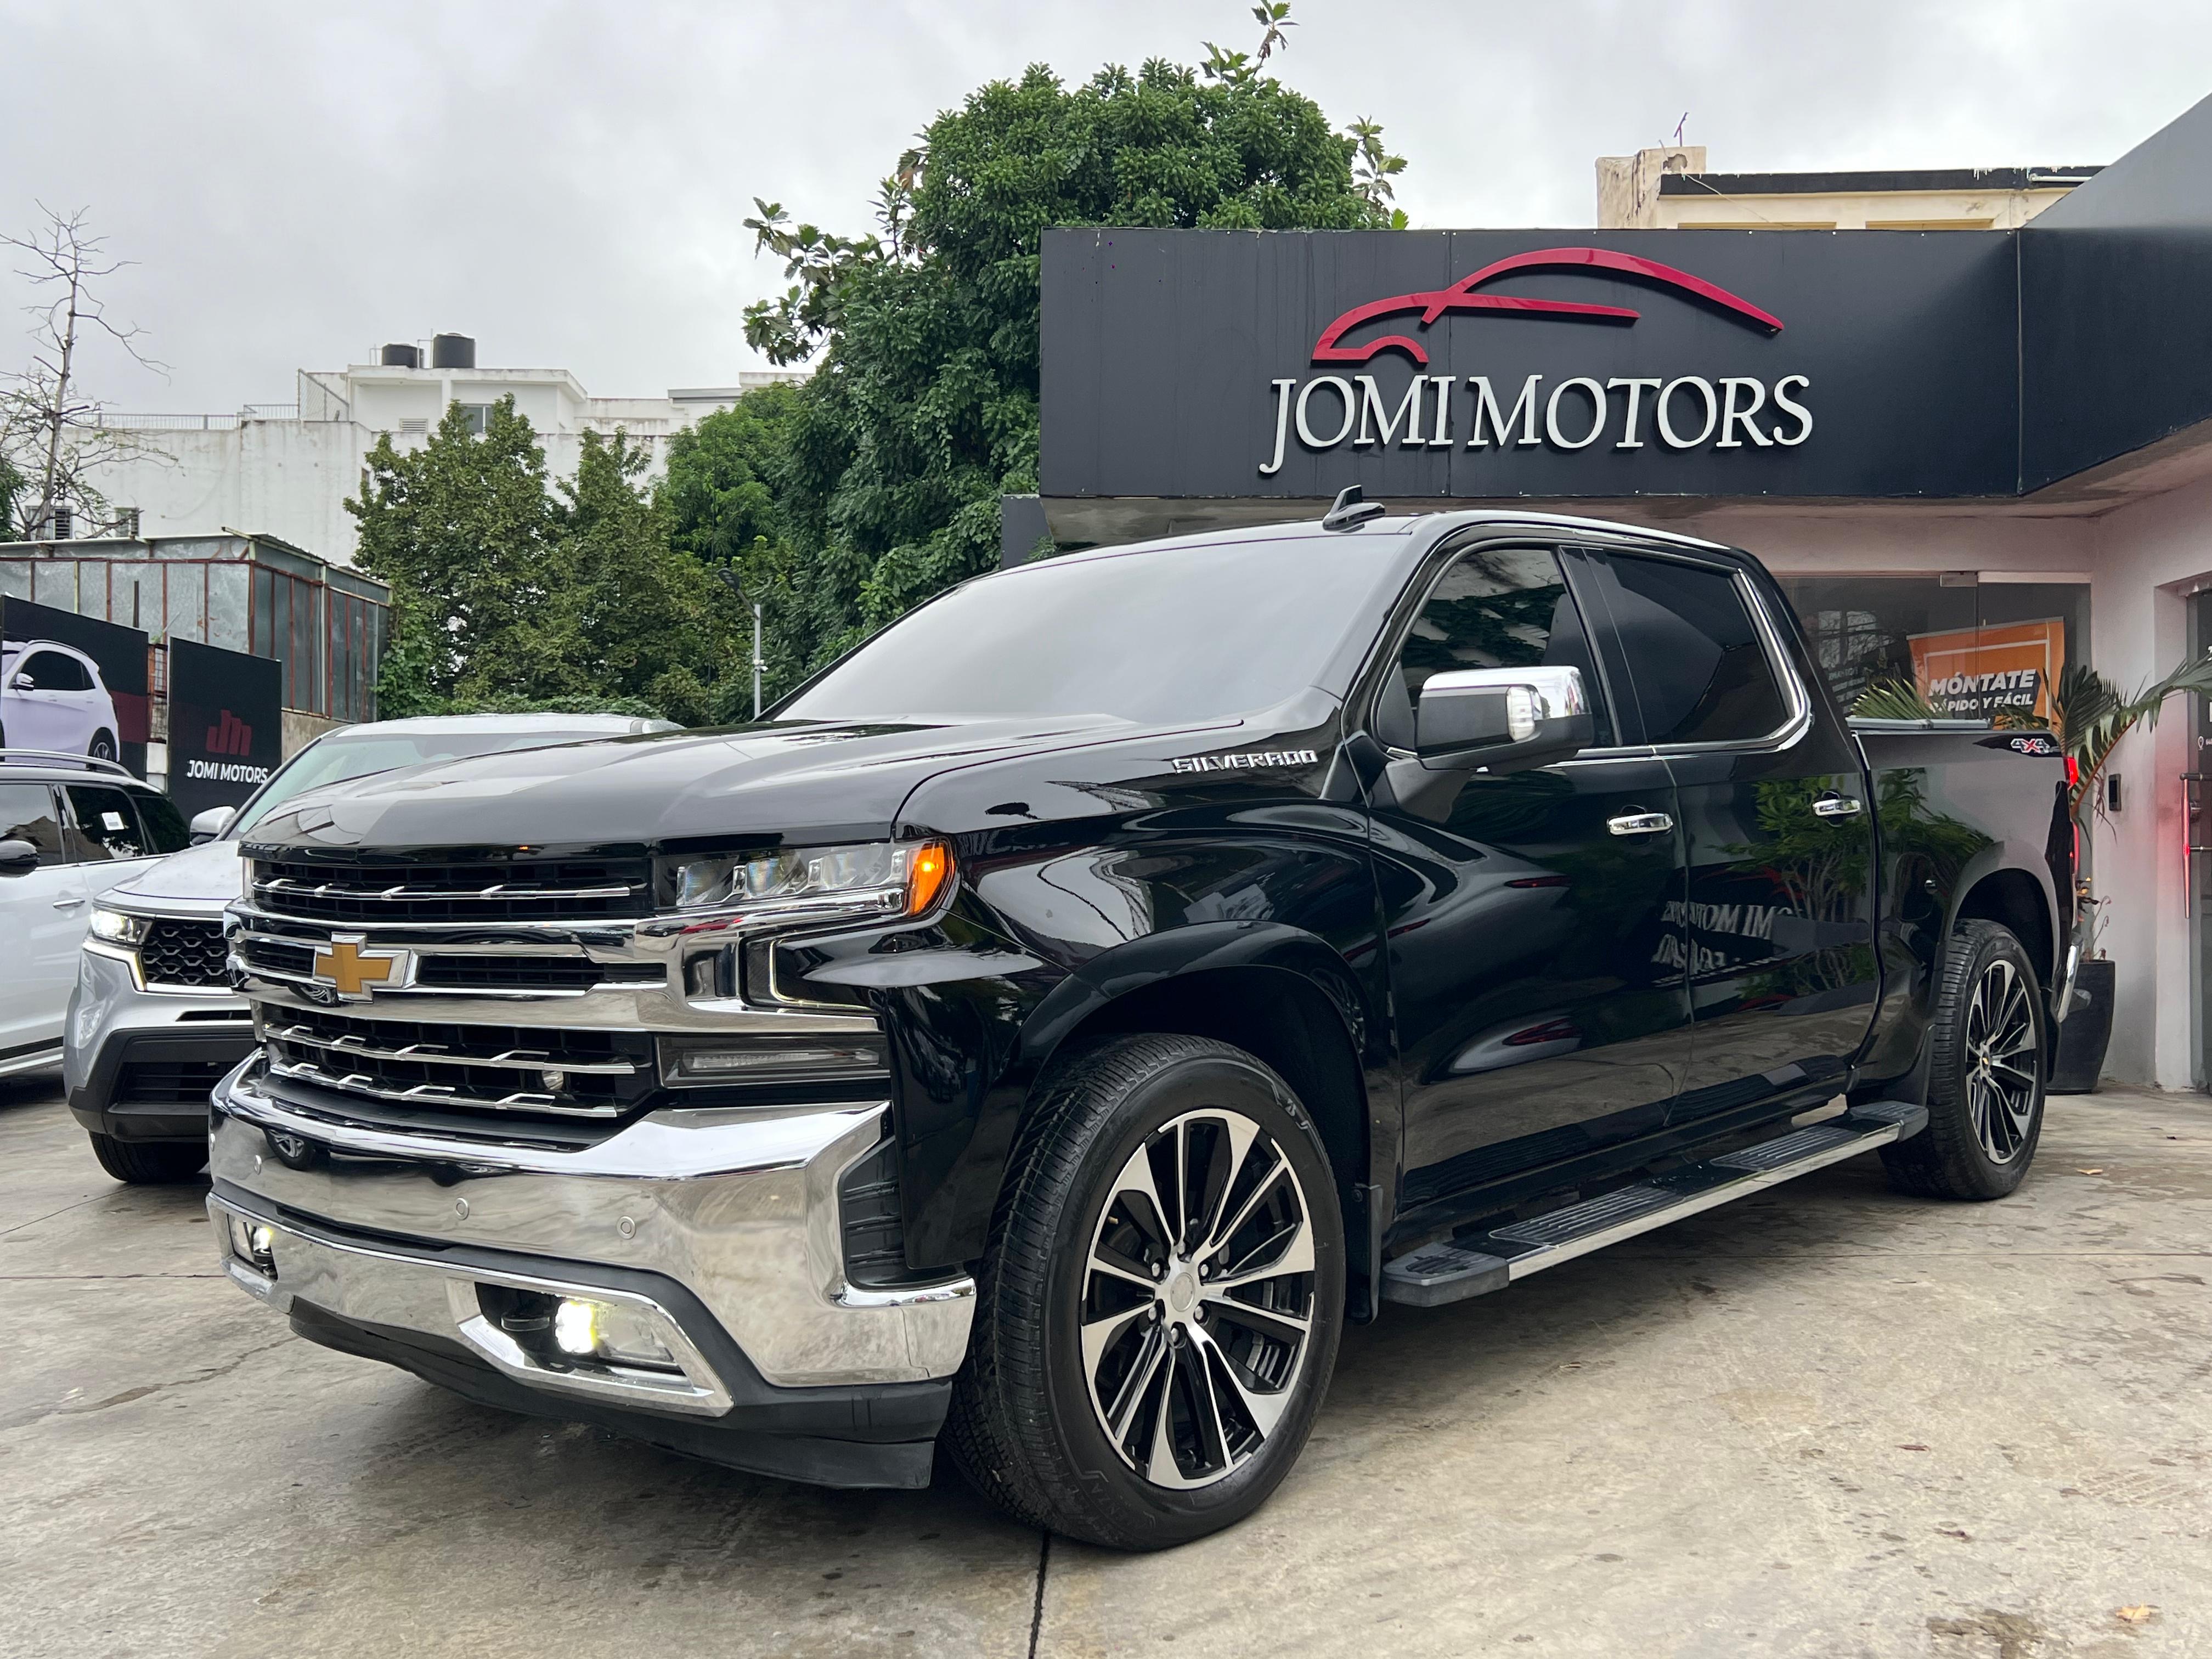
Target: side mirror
(207, 825)
(1502, 719)
(22, 682)
(17, 858)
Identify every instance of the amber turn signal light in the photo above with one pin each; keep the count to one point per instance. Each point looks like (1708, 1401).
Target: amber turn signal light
(926, 877)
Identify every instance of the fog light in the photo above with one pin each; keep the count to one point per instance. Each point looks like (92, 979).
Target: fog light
(576, 1327)
(254, 1243)
(610, 1331)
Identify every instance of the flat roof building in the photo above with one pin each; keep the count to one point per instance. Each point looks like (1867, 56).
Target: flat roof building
(1670, 188)
(286, 470)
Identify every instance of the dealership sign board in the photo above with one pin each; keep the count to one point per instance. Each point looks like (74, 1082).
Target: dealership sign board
(1488, 364)
(225, 725)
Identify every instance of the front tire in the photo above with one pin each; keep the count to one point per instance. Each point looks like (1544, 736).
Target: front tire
(149, 1163)
(1160, 1301)
(1985, 1074)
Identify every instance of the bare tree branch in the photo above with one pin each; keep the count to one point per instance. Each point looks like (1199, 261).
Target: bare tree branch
(51, 438)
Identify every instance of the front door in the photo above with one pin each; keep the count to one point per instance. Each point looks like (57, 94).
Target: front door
(47, 912)
(1533, 921)
(1780, 839)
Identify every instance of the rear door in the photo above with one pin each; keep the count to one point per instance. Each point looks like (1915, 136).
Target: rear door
(1533, 921)
(46, 913)
(1780, 838)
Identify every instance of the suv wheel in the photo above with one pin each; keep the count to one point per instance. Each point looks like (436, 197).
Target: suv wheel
(1985, 1074)
(1159, 1307)
(102, 746)
(149, 1163)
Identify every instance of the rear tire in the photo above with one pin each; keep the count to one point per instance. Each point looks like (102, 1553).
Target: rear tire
(102, 746)
(1142, 1405)
(1985, 1074)
(149, 1163)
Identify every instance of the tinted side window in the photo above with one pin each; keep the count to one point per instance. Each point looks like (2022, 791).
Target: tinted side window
(26, 813)
(1696, 664)
(165, 827)
(55, 672)
(106, 826)
(1497, 607)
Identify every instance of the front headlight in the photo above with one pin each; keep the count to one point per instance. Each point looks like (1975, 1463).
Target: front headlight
(868, 879)
(117, 926)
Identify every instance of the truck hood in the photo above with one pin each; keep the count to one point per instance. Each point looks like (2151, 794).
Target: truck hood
(804, 780)
(207, 873)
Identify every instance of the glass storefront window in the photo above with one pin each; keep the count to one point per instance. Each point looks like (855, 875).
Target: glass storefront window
(1979, 649)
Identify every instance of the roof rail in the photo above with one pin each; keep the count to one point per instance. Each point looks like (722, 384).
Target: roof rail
(87, 762)
(1351, 510)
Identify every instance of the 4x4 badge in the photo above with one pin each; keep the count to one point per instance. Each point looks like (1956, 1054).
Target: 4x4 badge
(351, 971)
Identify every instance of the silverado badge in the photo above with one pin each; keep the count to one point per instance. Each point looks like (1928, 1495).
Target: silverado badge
(351, 971)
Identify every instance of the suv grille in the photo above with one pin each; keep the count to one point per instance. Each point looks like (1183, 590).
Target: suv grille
(184, 953)
(513, 1073)
(518, 887)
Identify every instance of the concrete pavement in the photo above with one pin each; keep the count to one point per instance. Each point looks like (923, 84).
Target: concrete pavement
(1829, 1421)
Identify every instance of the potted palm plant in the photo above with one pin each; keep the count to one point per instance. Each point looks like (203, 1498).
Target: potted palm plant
(2089, 716)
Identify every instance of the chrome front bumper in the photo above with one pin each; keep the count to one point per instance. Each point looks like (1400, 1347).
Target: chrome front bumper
(737, 1206)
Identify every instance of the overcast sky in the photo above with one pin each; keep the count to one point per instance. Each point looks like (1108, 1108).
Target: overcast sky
(298, 183)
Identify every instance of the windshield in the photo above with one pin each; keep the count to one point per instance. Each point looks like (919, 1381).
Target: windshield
(1179, 634)
(342, 756)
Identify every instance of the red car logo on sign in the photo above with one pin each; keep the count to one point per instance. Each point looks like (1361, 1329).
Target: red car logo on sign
(1461, 296)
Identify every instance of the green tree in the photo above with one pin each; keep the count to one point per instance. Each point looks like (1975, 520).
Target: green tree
(923, 409)
(508, 595)
(630, 617)
(462, 530)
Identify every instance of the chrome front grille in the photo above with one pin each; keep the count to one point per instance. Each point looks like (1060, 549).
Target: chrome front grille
(548, 968)
(517, 1072)
(519, 887)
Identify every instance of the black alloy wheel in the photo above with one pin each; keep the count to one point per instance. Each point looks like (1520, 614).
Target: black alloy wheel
(1160, 1303)
(1987, 1066)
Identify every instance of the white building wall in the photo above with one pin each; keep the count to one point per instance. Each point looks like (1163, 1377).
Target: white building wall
(290, 478)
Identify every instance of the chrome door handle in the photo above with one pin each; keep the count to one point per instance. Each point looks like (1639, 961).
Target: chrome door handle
(67, 904)
(1640, 823)
(1838, 806)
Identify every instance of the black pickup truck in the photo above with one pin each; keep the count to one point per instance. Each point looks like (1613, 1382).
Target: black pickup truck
(1041, 1033)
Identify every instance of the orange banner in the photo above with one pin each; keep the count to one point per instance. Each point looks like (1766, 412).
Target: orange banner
(2007, 668)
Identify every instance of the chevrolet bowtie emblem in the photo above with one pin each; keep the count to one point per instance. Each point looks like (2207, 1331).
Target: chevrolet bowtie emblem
(350, 970)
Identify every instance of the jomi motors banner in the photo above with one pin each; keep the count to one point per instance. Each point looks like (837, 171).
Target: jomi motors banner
(224, 736)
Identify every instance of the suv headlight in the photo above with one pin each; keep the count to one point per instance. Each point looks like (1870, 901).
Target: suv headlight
(118, 926)
(863, 878)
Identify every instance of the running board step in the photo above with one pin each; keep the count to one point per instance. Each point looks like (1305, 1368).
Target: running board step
(1438, 1274)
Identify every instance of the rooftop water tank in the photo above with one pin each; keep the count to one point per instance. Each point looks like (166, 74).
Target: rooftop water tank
(453, 351)
(401, 356)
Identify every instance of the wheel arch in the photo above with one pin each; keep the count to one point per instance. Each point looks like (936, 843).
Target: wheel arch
(1277, 991)
(2011, 896)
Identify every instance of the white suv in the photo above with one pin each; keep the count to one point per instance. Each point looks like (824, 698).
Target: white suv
(70, 829)
(51, 697)
(153, 1023)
